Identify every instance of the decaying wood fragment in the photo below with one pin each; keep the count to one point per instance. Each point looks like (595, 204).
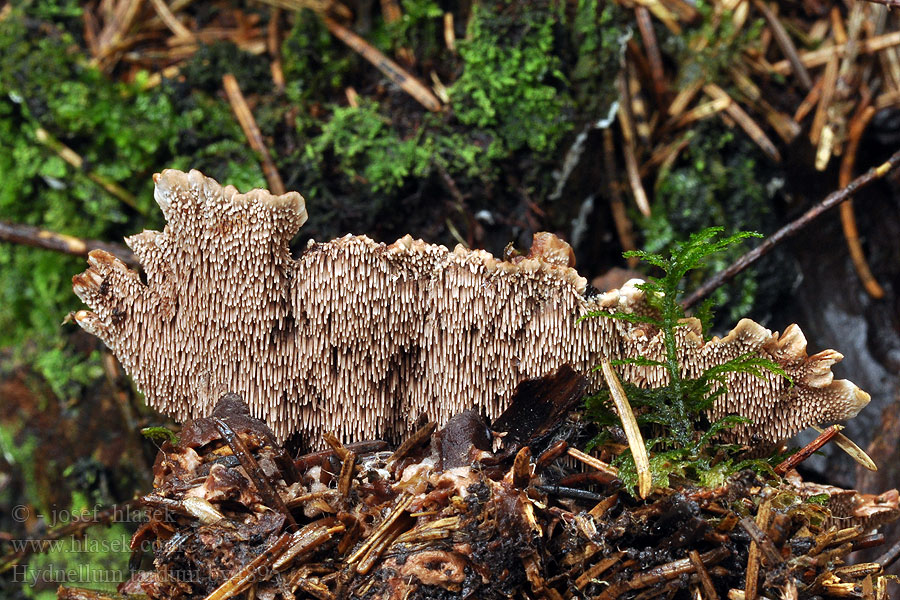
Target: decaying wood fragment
(360, 338)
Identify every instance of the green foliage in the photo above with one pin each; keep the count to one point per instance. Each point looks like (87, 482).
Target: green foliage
(159, 435)
(678, 408)
(122, 131)
(419, 28)
(723, 180)
(315, 64)
(66, 372)
(512, 82)
(364, 144)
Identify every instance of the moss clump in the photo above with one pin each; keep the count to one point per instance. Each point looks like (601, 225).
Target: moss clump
(686, 446)
(362, 143)
(315, 64)
(721, 179)
(708, 52)
(122, 131)
(511, 81)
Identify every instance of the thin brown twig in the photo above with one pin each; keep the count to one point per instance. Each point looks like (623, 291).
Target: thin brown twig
(620, 216)
(251, 130)
(821, 56)
(170, 20)
(654, 58)
(36, 237)
(833, 199)
(808, 450)
(750, 127)
(273, 43)
(626, 121)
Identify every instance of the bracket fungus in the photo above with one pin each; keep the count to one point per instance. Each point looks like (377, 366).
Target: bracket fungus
(361, 338)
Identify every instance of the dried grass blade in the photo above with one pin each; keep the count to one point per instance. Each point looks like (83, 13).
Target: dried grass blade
(632, 432)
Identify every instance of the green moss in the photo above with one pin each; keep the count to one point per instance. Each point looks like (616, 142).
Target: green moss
(122, 131)
(720, 179)
(687, 447)
(420, 28)
(315, 64)
(511, 82)
(721, 46)
(362, 143)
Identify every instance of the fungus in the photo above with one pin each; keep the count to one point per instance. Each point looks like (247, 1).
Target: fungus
(361, 338)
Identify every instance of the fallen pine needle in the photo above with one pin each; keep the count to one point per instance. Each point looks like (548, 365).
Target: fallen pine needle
(632, 432)
(251, 130)
(392, 70)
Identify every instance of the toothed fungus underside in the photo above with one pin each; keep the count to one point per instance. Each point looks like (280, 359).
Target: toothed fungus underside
(360, 338)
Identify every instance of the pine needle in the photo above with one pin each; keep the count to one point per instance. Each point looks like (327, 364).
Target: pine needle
(632, 432)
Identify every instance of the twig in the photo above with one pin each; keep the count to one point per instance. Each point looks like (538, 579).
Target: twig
(662, 573)
(273, 43)
(449, 32)
(705, 580)
(75, 159)
(251, 571)
(888, 558)
(654, 58)
(808, 450)
(122, 19)
(392, 70)
(626, 121)
(60, 242)
(593, 462)
(792, 228)
(744, 121)
(171, 21)
(821, 56)
(390, 10)
(855, 452)
(810, 101)
(259, 478)
(251, 130)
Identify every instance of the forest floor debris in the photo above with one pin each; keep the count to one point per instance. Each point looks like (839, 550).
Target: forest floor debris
(468, 512)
